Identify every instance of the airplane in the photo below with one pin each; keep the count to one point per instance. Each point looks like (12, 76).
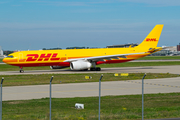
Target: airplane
(85, 59)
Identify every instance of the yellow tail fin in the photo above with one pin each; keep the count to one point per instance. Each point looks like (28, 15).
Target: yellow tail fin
(152, 39)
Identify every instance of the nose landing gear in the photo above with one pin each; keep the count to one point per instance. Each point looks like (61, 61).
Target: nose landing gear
(21, 70)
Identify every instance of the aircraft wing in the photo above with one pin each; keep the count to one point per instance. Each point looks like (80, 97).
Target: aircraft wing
(103, 58)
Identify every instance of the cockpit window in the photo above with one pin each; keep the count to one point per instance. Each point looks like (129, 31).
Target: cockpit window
(10, 56)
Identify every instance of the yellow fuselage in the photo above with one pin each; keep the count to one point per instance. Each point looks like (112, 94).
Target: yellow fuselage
(57, 57)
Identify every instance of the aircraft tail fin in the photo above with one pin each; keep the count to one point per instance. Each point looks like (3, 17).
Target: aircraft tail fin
(152, 39)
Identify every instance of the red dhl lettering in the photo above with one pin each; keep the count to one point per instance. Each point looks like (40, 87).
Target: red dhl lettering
(32, 57)
(43, 57)
(150, 39)
(54, 57)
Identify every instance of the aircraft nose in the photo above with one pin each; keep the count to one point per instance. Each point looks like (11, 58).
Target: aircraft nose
(4, 60)
(10, 60)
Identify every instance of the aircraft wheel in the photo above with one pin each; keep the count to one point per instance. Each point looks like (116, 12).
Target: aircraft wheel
(95, 69)
(85, 70)
(98, 69)
(21, 71)
(92, 69)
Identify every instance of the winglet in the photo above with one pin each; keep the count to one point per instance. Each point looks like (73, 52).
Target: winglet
(152, 39)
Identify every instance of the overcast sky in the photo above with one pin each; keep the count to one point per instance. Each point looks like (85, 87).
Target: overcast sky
(37, 24)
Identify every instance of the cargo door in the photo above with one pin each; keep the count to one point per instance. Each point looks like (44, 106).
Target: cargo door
(21, 59)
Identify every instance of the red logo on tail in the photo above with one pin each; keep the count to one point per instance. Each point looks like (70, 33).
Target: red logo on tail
(151, 39)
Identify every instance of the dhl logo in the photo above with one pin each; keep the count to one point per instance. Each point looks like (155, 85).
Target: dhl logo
(43, 57)
(151, 39)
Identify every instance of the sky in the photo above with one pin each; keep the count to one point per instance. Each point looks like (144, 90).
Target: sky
(38, 24)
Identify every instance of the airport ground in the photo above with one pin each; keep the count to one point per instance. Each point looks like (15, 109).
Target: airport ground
(91, 89)
(161, 105)
(167, 85)
(69, 94)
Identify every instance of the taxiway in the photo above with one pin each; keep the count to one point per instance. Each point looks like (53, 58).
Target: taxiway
(174, 69)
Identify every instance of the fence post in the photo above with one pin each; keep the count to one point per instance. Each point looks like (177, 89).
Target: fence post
(100, 95)
(1, 100)
(50, 99)
(143, 96)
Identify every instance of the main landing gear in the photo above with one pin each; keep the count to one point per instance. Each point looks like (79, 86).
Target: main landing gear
(21, 70)
(95, 69)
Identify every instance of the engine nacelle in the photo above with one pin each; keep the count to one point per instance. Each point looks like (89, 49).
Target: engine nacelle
(57, 67)
(80, 65)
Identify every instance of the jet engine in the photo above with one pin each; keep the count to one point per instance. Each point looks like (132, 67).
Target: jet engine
(57, 67)
(80, 65)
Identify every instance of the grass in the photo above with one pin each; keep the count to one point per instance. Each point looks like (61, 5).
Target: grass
(5, 67)
(160, 57)
(125, 107)
(19, 80)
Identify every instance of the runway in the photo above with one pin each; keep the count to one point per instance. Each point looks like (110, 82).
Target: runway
(174, 69)
(166, 85)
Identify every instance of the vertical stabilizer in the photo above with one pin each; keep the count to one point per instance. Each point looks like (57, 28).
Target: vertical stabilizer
(152, 39)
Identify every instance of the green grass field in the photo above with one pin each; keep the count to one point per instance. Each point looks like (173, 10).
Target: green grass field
(124, 107)
(160, 57)
(5, 67)
(19, 80)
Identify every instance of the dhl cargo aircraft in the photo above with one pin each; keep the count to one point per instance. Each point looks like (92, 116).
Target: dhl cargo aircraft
(84, 59)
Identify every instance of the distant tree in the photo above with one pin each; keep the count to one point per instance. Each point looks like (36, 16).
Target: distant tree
(76, 48)
(52, 48)
(7, 52)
